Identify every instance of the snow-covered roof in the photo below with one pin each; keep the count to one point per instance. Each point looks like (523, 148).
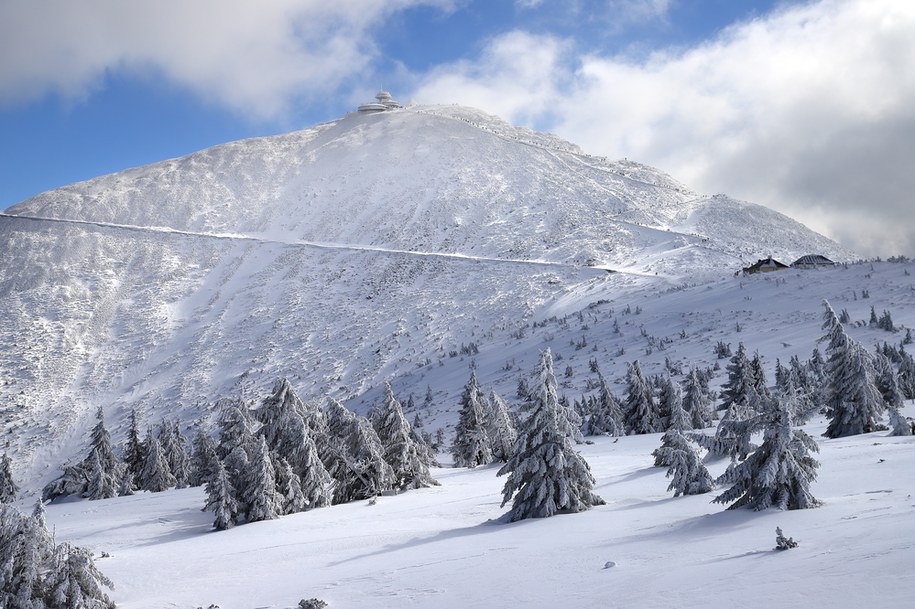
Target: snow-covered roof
(813, 260)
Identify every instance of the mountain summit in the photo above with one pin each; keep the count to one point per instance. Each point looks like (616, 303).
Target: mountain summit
(338, 256)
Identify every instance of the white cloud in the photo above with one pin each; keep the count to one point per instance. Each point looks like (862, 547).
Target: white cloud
(516, 77)
(809, 110)
(254, 57)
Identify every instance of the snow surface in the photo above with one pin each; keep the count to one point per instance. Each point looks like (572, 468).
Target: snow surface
(450, 546)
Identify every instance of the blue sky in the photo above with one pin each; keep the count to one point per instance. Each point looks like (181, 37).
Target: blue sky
(806, 107)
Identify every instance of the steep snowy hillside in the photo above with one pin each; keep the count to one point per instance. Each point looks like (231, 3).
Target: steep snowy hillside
(357, 251)
(441, 179)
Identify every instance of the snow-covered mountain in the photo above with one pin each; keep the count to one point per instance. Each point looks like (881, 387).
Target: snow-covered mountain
(360, 250)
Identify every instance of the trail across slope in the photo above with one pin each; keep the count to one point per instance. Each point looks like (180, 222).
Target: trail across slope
(312, 244)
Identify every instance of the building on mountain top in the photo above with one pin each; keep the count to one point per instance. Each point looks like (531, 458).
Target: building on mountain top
(383, 102)
(766, 265)
(812, 261)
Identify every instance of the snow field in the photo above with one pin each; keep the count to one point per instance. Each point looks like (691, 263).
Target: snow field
(451, 547)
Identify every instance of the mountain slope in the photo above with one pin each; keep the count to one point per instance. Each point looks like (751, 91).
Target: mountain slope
(339, 256)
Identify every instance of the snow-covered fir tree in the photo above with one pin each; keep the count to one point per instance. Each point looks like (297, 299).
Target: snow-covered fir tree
(276, 412)
(677, 417)
(104, 469)
(640, 411)
(26, 559)
(690, 477)
(76, 582)
(696, 402)
(36, 574)
(502, 432)
(355, 456)
(156, 476)
(315, 481)
(221, 498)
(8, 488)
(733, 436)
(203, 458)
(236, 440)
(400, 450)
(778, 473)
(906, 376)
(760, 385)
(259, 498)
(545, 474)
(100, 482)
(888, 387)
(174, 449)
(472, 445)
(854, 405)
(571, 420)
(742, 382)
(109, 472)
(134, 450)
(796, 400)
(606, 416)
(288, 487)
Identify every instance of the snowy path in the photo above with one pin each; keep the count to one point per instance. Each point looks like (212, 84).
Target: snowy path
(312, 244)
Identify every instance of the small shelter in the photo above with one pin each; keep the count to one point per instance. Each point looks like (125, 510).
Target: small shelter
(812, 261)
(766, 265)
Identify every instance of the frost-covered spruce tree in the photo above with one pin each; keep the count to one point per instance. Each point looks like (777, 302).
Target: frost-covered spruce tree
(639, 409)
(733, 436)
(75, 582)
(26, 553)
(203, 458)
(8, 488)
(690, 477)
(259, 496)
(221, 498)
(236, 428)
(100, 483)
(760, 385)
(333, 450)
(545, 474)
(502, 433)
(796, 400)
(892, 396)
(316, 482)
(289, 435)
(288, 487)
(677, 417)
(472, 445)
(236, 440)
(283, 416)
(103, 469)
(571, 421)
(607, 414)
(400, 450)
(696, 402)
(741, 383)
(134, 450)
(174, 449)
(853, 404)
(156, 476)
(778, 473)
(354, 456)
(906, 374)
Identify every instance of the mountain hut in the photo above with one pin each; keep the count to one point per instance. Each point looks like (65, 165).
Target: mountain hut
(766, 265)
